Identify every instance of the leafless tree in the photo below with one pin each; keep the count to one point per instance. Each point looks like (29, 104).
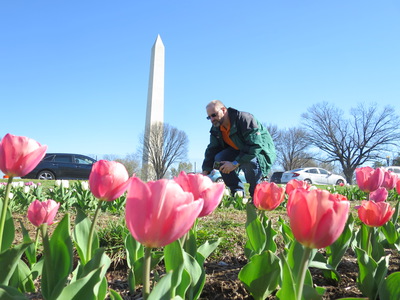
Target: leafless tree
(165, 146)
(273, 131)
(364, 137)
(292, 148)
(183, 166)
(396, 160)
(130, 161)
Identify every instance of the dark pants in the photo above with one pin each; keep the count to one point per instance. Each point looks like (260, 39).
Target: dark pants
(252, 171)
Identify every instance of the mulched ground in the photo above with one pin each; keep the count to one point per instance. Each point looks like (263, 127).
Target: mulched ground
(223, 283)
(222, 276)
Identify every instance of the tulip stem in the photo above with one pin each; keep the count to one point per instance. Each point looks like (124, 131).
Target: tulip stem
(146, 272)
(91, 232)
(4, 210)
(36, 242)
(369, 240)
(262, 217)
(302, 271)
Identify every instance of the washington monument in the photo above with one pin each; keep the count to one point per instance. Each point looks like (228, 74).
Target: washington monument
(155, 98)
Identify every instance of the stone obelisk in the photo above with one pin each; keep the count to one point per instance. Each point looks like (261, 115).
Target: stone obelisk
(155, 98)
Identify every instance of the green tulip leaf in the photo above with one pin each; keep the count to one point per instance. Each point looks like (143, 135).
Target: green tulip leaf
(287, 290)
(162, 289)
(248, 250)
(362, 238)
(174, 262)
(134, 250)
(270, 234)
(156, 257)
(190, 245)
(9, 261)
(22, 278)
(193, 278)
(390, 232)
(261, 275)
(396, 213)
(286, 232)
(173, 256)
(197, 275)
(131, 281)
(391, 287)
(9, 233)
(205, 250)
(57, 260)
(36, 269)
(85, 287)
(10, 293)
(81, 235)
(30, 252)
(311, 293)
(114, 295)
(135, 260)
(295, 256)
(99, 259)
(371, 273)
(255, 231)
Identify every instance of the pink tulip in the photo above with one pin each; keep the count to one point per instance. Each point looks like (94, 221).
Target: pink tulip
(389, 180)
(398, 187)
(108, 180)
(19, 155)
(42, 212)
(369, 179)
(268, 196)
(379, 195)
(295, 184)
(375, 214)
(317, 217)
(202, 187)
(159, 212)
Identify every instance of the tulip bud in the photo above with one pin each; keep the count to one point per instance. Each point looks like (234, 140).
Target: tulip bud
(108, 180)
(42, 212)
(19, 155)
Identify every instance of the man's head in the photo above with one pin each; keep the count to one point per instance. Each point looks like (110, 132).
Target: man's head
(216, 112)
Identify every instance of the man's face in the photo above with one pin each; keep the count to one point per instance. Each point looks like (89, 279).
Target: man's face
(216, 115)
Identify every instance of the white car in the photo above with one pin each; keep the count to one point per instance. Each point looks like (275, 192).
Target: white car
(313, 176)
(394, 169)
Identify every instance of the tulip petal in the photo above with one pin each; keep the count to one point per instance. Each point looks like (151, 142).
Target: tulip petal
(317, 218)
(158, 213)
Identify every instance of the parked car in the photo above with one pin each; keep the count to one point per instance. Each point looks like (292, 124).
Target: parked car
(313, 176)
(394, 169)
(216, 176)
(276, 177)
(62, 166)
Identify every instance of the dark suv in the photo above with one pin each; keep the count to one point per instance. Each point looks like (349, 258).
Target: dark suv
(62, 166)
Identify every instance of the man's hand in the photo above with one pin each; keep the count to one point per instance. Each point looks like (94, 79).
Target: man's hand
(227, 167)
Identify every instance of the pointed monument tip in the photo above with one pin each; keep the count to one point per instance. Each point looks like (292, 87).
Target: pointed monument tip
(158, 41)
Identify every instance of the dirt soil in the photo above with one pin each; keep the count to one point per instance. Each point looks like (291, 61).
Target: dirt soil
(222, 279)
(222, 276)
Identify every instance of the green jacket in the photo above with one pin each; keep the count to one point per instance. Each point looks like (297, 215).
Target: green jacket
(249, 135)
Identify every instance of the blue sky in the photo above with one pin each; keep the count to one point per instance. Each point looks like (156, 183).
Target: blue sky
(74, 74)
